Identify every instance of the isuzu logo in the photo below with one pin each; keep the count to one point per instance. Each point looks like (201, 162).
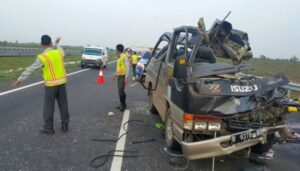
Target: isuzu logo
(243, 89)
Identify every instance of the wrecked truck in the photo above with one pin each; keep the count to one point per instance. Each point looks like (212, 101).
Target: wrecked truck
(212, 109)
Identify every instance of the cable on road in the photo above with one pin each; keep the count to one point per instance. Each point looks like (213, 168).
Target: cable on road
(105, 157)
(109, 140)
(143, 141)
(132, 154)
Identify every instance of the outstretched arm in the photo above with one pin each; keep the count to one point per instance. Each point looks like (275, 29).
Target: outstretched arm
(37, 64)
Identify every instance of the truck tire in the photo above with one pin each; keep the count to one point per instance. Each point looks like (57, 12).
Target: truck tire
(152, 108)
(171, 143)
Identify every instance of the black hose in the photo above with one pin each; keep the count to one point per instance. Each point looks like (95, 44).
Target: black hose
(105, 157)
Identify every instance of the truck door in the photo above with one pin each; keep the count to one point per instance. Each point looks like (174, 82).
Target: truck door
(182, 45)
(158, 73)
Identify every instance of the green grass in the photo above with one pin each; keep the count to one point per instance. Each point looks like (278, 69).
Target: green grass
(270, 67)
(8, 63)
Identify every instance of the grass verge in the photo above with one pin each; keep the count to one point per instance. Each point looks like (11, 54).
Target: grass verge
(16, 63)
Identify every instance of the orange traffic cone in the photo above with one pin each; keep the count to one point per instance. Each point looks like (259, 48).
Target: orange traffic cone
(100, 77)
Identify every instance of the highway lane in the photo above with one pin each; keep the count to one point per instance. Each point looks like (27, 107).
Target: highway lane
(23, 148)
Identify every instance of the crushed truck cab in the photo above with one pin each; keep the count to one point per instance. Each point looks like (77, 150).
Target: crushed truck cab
(211, 109)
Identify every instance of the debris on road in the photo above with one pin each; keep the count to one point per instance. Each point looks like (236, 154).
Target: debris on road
(160, 125)
(110, 114)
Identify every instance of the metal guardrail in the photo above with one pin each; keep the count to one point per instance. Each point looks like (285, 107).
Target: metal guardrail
(293, 86)
(19, 51)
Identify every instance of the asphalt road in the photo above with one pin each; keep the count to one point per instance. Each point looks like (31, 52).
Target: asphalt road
(22, 148)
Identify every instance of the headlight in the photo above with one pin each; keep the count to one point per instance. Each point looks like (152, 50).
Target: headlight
(188, 125)
(200, 125)
(214, 126)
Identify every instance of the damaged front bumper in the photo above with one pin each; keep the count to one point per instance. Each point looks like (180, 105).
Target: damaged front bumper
(226, 144)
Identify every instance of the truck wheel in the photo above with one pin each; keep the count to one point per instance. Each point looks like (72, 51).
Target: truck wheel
(105, 66)
(152, 108)
(82, 66)
(171, 143)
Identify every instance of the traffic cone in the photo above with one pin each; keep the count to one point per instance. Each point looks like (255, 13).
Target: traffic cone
(100, 77)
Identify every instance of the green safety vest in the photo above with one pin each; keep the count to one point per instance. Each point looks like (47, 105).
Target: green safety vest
(54, 72)
(134, 59)
(121, 67)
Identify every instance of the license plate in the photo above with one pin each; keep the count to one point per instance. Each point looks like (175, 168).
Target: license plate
(246, 136)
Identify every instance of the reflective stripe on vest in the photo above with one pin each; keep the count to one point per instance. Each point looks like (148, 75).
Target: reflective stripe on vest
(121, 67)
(54, 72)
(134, 59)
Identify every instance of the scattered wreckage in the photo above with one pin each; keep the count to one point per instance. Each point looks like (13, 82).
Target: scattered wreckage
(212, 109)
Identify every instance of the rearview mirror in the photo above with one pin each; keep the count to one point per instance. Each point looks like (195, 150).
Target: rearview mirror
(180, 68)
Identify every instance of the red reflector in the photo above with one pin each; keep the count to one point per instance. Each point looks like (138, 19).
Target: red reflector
(188, 116)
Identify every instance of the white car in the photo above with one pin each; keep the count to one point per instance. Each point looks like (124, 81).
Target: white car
(94, 56)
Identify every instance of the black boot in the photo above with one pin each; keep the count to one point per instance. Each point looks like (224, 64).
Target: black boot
(64, 126)
(47, 130)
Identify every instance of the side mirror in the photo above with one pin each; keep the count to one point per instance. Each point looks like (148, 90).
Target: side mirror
(180, 68)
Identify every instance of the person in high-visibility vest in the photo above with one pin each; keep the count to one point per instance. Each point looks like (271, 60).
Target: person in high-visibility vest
(55, 78)
(134, 61)
(121, 74)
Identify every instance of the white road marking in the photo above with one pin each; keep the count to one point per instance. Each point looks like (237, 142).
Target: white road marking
(21, 88)
(41, 82)
(34, 84)
(133, 84)
(117, 161)
(20, 69)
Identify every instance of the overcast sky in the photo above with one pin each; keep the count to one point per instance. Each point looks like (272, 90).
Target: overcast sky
(273, 25)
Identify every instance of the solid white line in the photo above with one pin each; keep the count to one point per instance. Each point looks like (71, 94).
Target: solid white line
(21, 88)
(117, 161)
(76, 72)
(37, 83)
(133, 84)
(41, 82)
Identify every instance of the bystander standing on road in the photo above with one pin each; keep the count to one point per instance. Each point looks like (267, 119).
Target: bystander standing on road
(121, 74)
(54, 75)
(134, 61)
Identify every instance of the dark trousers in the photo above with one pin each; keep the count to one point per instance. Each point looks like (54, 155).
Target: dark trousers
(60, 94)
(121, 90)
(134, 69)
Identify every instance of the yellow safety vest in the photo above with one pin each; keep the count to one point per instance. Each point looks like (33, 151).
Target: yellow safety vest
(54, 72)
(121, 67)
(134, 59)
